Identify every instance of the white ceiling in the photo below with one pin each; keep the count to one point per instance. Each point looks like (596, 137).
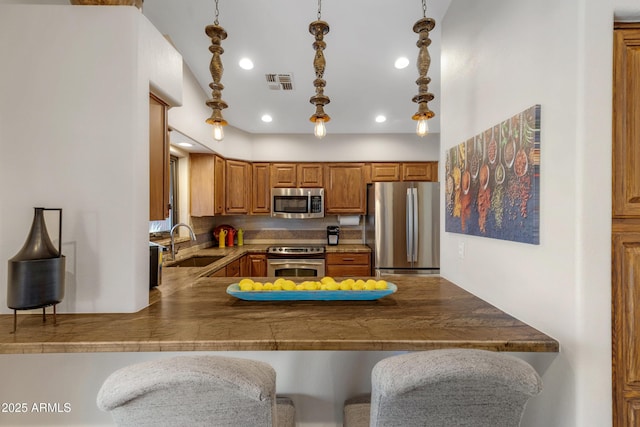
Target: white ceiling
(365, 39)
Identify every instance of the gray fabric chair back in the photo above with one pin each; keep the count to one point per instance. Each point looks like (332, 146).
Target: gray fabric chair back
(191, 391)
(451, 387)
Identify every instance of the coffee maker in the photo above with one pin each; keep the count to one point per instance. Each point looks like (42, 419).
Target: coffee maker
(333, 235)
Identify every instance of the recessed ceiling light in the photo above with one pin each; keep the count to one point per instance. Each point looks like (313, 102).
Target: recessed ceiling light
(267, 118)
(185, 144)
(246, 64)
(401, 63)
(381, 119)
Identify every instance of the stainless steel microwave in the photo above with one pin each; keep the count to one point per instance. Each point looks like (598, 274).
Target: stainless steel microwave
(297, 202)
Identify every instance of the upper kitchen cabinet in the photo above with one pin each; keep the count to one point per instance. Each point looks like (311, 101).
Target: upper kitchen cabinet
(158, 160)
(345, 188)
(291, 175)
(207, 173)
(310, 175)
(626, 149)
(238, 188)
(283, 175)
(408, 171)
(385, 172)
(420, 171)
(260, 189)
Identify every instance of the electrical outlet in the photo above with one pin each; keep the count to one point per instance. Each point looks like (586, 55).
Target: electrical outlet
(461, 249)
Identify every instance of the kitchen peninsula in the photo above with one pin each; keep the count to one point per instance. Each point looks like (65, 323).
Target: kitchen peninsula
(193, 312)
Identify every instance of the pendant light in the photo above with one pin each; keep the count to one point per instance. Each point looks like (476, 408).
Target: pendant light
(217, 34)
(422, 28)
(319, 28)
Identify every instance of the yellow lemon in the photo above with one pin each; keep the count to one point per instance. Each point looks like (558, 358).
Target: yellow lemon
(345, 286)
(246, 286)
(370, 285)
(279, 281)
(358, 285)
(323, 287)
(333, 286)
(268, 286)
(288, 285)
(381, 284)
(327, 279)
(350, 282)
(257, 286)
(299, 287)
(244, 282)
(277, 287)
(310, 286)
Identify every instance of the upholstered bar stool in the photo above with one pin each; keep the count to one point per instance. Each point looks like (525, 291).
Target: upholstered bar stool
(451, 387)
(196, 391)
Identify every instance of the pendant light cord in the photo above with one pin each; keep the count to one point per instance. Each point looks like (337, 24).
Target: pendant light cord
(217, 12)
(424, 8)
(319, 9)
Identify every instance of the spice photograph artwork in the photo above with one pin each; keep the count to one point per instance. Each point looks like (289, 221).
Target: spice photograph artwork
(492, 184)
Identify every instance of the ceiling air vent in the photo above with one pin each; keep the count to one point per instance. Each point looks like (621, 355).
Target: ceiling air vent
(280, 81)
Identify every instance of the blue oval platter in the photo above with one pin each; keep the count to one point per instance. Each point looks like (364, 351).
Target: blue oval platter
(234, 290)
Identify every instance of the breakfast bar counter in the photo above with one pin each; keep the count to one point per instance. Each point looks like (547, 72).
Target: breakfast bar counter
(426, 312)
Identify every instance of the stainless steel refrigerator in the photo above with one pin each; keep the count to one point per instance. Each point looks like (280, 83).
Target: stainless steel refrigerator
(402, 227)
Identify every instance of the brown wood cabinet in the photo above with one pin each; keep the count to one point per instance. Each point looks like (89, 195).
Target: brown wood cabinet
(385, 172)
(283, 175)
(206, 184)
(158, 160)
(219, 180)
(291, 175)
(406, 171)
(420, 171)
(257, 264)
(260, 189)
(309, 175)
(355, 264)
(345, 188)
(625, 280)
(237, 189)
(233, 269)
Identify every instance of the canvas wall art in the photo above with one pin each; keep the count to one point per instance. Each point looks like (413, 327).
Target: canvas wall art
(492, 184)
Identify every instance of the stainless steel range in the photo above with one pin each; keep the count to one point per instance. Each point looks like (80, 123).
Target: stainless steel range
(295, 261)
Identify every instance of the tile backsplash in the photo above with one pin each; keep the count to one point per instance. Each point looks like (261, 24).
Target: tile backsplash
(267, 230)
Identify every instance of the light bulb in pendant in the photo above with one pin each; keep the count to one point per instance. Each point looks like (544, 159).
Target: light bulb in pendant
(423, 127)
(319, 130)
(218, 132)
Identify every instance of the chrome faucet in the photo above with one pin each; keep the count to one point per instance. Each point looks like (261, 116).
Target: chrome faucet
(173, 248)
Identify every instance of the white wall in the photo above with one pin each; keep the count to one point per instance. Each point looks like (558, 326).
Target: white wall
(69, 109)
(345, 147)
(500, 57)
(189, 119)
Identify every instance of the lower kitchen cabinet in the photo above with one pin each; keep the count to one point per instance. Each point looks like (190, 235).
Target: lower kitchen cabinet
(348, 264)
(250, 265)
(233, 268)
(257, 265)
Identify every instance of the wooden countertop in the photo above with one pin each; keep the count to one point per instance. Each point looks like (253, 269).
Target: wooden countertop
(195, 313)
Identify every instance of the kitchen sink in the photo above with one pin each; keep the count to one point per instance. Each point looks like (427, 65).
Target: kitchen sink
(196, 261)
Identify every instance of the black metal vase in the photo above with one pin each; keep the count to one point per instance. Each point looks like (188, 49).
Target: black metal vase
(36, 273)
